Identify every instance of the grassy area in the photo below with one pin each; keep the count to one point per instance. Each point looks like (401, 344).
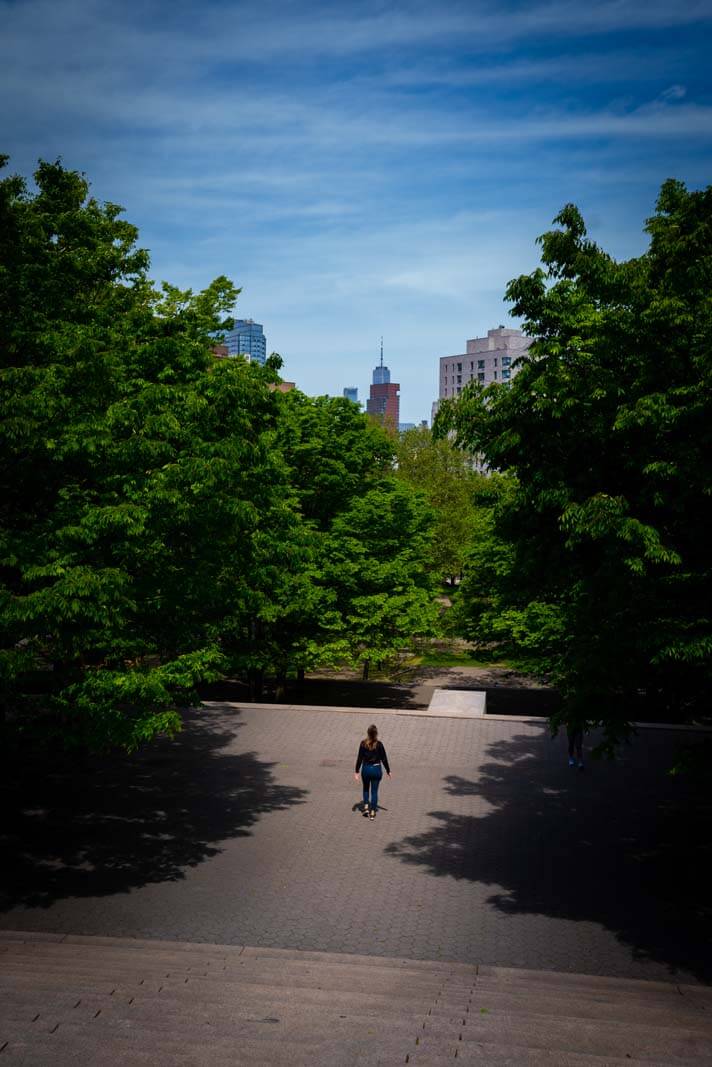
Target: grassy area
(436, 653)
(444, 658)
(454, 652)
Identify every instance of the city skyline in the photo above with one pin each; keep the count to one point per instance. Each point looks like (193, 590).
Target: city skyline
(362, 169)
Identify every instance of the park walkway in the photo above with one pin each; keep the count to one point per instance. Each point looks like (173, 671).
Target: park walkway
(489, 850)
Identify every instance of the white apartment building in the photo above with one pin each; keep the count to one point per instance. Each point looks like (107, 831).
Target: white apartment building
(487, 359)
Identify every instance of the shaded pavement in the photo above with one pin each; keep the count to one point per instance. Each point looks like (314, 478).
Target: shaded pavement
(489, 848)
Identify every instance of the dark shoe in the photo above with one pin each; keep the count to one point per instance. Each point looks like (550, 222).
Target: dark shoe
(580, 764)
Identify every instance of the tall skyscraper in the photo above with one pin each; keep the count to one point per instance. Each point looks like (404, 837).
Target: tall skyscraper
(381, 374)
(351, 393)
(247, 339)
(384, 399)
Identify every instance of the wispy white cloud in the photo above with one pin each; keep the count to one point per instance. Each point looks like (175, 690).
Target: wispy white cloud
(629, 66)
(361, 167)
(94, 34)
(326, 29)
(674, 92)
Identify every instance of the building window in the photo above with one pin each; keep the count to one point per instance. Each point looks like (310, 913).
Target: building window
(481, 376)
(472, 365)
(459, 379)
(494, 373)
(495, 361)
(459, 368)
(506, 360)
(480, 364)
(459, 390)
(505, 374)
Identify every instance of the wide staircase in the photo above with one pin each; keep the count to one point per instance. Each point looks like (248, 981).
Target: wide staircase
(96, 1001)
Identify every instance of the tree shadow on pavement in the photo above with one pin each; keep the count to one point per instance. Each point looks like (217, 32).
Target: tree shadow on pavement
(125, 821)
(622, 844)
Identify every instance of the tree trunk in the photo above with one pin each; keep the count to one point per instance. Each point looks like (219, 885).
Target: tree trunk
(281, 688)
(300, 676)
(366, 665)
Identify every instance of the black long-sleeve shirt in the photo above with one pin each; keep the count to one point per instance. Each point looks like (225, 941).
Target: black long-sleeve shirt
(372, 755)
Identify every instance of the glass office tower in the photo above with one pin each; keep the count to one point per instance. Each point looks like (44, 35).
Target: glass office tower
(247, 339)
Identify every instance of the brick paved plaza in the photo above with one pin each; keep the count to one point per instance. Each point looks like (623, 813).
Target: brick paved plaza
(489, 849)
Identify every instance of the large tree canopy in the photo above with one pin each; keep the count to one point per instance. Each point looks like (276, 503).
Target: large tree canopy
(370, 591)
(141, 507)
(167, 516)
(603, 532)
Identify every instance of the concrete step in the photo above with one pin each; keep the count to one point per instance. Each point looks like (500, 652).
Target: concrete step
(660, 997)
(224, 985)
(516, 1056)
(430, 966)
(671, 1044)
(143, 957)
(104, 1039)
(300, 1026)
(157, 948)
(211, 1004)
(660, 1008)
(244, 1004)
(286, 961)
(157, 954)
(360, 980)
(516, 977)
(146, 1049)
(215, 990)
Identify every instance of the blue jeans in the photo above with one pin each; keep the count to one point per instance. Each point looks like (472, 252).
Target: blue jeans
(371, 775)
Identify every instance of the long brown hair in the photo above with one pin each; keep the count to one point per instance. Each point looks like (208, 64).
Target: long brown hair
(372, 740)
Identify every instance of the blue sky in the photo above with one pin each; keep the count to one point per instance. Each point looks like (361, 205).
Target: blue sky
(362, 169)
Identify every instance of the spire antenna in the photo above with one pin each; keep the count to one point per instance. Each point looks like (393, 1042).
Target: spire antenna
(381, 351)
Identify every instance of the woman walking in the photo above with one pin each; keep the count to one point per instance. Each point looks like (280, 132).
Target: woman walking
(574, 735)
(371, 754)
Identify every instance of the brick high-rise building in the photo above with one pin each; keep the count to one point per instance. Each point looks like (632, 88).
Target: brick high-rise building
(487, 359)
(384, 399)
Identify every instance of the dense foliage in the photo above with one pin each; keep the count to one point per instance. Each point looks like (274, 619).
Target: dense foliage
(598, 562)
(165, 516)
(446, 475)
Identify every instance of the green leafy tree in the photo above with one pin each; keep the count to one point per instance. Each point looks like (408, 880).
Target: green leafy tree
(377, 559)
(143, 510)
(334, 453)
(331, 453)
(606, 432)
(446, 476)
(357, 603)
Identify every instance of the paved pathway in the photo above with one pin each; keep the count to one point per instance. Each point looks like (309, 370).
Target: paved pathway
(488, 850)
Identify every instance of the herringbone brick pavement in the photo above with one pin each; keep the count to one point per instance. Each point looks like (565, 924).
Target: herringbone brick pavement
(488, 849)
